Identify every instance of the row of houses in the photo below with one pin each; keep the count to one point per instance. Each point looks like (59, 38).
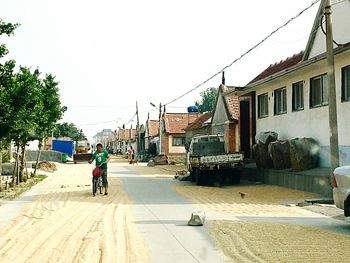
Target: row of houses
(289, 97)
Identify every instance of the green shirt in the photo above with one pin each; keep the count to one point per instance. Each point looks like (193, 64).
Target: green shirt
(101, 158)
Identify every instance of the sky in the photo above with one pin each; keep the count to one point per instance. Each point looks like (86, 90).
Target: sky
(108, 54)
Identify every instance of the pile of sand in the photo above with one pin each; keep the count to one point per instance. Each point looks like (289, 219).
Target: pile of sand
(47, 166)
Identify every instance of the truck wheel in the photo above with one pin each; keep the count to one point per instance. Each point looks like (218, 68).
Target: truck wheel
(347, 207)
(222, 178)
(199, 178)
(235, 176)
(193, 174)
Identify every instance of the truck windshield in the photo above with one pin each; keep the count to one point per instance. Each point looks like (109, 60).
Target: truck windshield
(208, 148)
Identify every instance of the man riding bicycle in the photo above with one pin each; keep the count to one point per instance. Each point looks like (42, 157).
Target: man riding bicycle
(101, 158)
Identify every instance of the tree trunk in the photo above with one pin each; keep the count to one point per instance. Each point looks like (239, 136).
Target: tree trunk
(21, 175)
(15, 168)
(38, 157)
(0, 166)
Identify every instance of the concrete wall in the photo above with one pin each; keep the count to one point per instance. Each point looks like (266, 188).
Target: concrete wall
(314, 180)
(310, 122)
(51, 156)
(220, 114)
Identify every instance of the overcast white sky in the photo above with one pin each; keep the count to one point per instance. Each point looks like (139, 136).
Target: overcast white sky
(108, 54)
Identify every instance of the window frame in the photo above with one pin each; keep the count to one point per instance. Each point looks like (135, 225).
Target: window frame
(178, 137)
(280, 93)
(266, 114)
(324, 87)
(345, 94)
(298, 85)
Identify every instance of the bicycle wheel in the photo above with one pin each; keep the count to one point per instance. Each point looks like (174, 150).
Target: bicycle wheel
(100, 184)
(94, 185)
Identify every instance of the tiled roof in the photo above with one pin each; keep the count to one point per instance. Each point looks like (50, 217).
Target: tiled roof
(177, 122)
(153, 127)
(198, 123)
(124, 134)
(277, 67)
(232, 103)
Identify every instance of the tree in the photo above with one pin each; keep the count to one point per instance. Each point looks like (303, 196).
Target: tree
(208, 100)
(69, 130)
(27, 105)
(52, 112)
(6, 82)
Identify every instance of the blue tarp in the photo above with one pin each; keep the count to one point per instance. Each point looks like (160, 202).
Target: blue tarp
(66, 147)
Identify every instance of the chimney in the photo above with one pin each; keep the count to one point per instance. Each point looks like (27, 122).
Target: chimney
(223, 78)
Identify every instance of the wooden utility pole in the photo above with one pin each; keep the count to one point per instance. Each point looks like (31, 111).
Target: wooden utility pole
(160, 128)
(137, 128)
(332, 101)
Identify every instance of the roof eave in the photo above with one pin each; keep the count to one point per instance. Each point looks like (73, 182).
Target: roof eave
(298, 66)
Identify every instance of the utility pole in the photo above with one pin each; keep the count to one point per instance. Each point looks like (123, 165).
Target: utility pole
(332, 101)
(160, 128)
(137, 128)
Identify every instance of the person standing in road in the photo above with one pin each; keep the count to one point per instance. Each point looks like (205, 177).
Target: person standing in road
(101, 158)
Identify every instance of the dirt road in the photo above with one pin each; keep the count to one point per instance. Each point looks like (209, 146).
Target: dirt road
(65, 223)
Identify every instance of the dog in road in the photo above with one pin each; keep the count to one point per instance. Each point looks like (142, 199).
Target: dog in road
(134, 161)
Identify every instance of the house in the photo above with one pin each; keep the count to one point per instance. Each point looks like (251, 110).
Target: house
(225, 119)
(173, 132)
(126, 138)
(102, 137)
(291, 97)
(151, 134)
(201, 126)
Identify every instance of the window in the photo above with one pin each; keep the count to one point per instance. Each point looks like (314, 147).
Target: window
(178, 141)
(263, 105)
(318, 91)
(280, 96)
(298, 96)
(345, 83)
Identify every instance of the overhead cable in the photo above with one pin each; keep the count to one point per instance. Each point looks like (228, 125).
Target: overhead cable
(245, 53)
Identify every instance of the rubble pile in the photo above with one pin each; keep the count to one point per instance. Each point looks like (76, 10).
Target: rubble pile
(47, 166)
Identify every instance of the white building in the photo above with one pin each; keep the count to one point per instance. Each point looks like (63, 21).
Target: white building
(291, 97)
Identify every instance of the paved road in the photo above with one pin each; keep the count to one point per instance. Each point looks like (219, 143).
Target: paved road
(161, 215)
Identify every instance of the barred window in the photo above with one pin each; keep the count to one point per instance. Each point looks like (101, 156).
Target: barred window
(178, 141)
(263, 105)
(345, 84)
(318, 91)
(280, 97)
(298, 96)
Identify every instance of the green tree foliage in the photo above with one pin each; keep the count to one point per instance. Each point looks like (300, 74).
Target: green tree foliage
(29, 105)
(208, 100)
(69, 130)
(6, 80)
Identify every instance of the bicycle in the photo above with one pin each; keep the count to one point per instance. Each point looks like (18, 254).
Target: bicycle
(97, 182)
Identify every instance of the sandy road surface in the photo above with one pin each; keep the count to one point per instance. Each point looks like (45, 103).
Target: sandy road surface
(67, 224)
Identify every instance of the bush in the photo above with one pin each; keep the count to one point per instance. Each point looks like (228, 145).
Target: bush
(5, 157)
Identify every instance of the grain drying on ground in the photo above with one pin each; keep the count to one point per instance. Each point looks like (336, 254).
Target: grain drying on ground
(67, 224)
(278, 242)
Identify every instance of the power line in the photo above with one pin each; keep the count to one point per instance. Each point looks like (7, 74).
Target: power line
(246, 53)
